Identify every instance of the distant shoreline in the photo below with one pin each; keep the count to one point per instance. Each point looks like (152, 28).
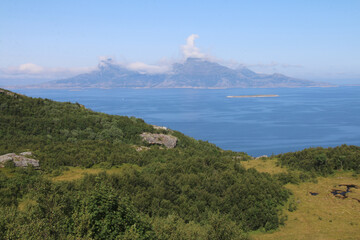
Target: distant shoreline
(252, 96)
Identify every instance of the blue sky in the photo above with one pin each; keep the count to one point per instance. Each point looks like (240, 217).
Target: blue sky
(316, 40)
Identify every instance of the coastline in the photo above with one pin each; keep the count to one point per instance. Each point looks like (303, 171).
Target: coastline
(253, 96)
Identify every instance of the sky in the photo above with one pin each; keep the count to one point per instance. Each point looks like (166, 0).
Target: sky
(314, 40)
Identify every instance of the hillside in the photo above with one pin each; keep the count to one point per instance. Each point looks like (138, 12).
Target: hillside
(130, 189)
(321, 216)
(193, 73)
(98, 178)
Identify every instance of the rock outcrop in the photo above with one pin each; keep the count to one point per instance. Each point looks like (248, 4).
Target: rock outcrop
(141, 148)
(159, 127)
(19, 160)
(12, 94)
(161, 139)
(26, 154)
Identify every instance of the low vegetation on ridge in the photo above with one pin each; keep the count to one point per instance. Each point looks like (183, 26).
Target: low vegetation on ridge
(195, 189)
(99, 180)
(318, 216)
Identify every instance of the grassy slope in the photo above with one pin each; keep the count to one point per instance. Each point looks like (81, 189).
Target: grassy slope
(196, 180)
(75, 173)
(317, 217)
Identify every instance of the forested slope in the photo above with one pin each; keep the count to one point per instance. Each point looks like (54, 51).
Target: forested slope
(193, 191)
(323, 161)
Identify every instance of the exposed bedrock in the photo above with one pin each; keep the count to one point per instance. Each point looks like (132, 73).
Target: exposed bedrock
(161, 139)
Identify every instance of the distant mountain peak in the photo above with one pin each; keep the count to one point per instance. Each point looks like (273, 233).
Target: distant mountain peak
(105, 62)
(193, 73)
(193, 59)
(109, 66)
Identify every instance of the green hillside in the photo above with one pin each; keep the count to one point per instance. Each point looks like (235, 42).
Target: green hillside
(130, 189)
(98, 179)
(322, 216)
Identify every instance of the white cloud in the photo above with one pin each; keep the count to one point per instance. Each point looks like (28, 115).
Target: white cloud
(274, 64)
(31, 70)
(263, 65)
(34, 71)
(190, 50)
(146, 68)
(135, 66)
(26, 68)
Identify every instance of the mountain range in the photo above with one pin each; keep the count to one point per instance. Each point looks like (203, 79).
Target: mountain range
(193, 73)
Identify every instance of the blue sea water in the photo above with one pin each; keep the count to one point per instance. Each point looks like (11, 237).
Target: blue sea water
(297, 119)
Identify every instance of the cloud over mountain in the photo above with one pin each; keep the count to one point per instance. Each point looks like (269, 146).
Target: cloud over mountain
(189, 50)
(193, 73)
(31, 70)
(147, 68)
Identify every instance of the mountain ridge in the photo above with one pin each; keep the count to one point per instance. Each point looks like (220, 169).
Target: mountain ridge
(193, 73)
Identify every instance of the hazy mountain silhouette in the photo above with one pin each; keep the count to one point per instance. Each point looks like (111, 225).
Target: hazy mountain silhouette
(193, 73)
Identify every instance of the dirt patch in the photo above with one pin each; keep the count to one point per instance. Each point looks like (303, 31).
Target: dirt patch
(340, 193)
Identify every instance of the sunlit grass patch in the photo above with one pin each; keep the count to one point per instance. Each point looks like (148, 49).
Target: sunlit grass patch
(264, 165)
(76, 173)
(323, 216)
(25, 203)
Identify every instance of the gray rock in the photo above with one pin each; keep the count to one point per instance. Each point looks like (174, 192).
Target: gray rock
(141, 148)
(26, 154)
(162, 139)
(15, 95)
(18, 160)
(159, 127)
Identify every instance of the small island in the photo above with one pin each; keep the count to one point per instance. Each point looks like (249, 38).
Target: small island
(251, 96)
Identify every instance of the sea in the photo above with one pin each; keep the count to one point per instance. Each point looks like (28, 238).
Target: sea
(298, 118)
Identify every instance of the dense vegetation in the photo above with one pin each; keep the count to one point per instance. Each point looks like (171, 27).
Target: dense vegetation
(323, 161)
(194, 191)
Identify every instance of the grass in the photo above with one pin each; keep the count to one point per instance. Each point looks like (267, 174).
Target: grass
(76, 173)
(264, 165)
(7, 171)
(25, 203)
(316, 217)
(323, 217)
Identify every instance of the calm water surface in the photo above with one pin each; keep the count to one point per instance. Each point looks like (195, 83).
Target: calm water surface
(297, 119)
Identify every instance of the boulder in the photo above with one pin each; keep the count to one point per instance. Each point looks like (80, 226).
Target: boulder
(141, 148)
(26, 154)
(18, 160)
(159, 127)
(161, 139)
